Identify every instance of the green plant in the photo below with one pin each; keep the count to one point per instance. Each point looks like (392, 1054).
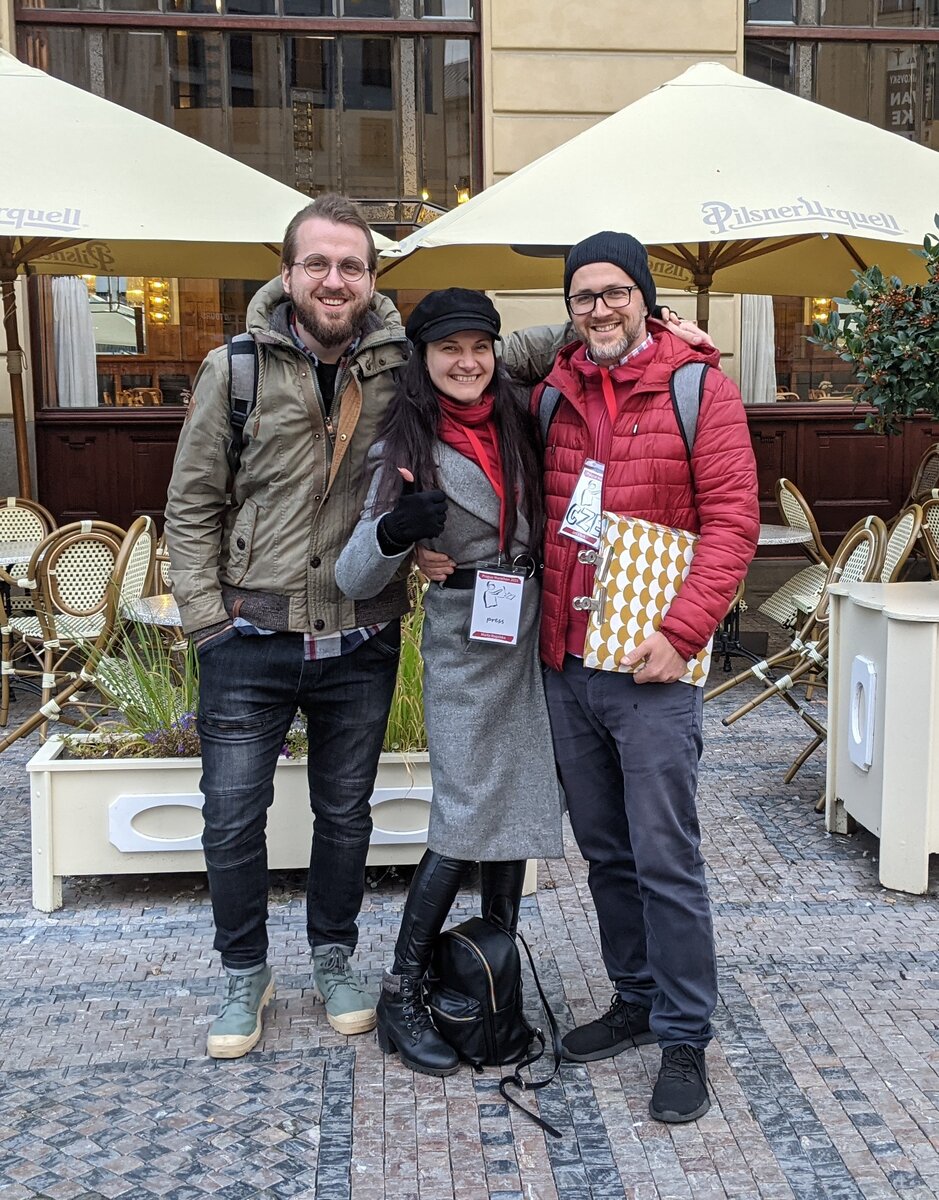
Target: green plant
(406, 730)
(892, 338)
(155, 694)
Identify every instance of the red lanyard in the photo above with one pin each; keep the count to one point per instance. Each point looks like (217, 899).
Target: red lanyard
(608, 394)
(483, 459)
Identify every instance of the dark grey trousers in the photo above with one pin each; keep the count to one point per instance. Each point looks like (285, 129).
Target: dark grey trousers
(628, 759)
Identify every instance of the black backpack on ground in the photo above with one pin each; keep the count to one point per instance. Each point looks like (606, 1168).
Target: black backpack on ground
(474, 992)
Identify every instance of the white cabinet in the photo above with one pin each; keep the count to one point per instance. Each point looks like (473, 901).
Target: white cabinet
(883, 723)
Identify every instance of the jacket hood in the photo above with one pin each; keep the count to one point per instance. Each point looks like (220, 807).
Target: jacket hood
(269, 311)
(572, 366)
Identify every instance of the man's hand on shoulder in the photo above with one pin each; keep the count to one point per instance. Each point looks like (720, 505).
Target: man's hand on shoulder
(656, 661)
(434, 565)
(686, 330)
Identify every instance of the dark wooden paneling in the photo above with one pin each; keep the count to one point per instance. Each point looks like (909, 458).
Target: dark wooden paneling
(108, 465)
(845, 473)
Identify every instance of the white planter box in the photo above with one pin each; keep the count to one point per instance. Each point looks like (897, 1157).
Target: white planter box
(143, 816)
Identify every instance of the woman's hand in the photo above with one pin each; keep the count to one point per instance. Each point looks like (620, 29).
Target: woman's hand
(434, 565)
(686, 330)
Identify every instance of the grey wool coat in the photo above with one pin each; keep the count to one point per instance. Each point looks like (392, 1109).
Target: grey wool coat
(496, 794)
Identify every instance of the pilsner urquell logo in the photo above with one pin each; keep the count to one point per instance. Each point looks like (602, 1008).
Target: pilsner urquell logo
(58, 220)
(724, 217)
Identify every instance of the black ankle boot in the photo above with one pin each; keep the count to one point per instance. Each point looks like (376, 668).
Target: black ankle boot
(404, 1025)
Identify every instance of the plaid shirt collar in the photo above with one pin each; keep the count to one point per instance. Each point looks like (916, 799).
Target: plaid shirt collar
(644, 345)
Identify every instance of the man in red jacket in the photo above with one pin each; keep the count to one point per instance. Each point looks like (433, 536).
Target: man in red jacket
(628, 745)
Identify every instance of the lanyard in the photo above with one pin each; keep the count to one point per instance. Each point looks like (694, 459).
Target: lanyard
(483, 460)
(608, 394)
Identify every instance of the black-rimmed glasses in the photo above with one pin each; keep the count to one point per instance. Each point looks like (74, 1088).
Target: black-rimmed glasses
(317, 267)
(582, 303)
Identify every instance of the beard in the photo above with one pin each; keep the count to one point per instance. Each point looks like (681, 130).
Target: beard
(602, 352)
(336, 331)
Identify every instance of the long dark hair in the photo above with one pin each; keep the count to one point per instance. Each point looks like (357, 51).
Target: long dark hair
(409, 431)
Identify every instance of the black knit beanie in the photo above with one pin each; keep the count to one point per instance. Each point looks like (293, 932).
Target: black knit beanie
(622, 250)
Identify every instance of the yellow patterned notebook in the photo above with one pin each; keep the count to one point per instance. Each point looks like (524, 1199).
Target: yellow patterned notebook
(640, 568)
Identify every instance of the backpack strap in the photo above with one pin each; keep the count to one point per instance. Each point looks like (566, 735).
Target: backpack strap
(686, 387)
(515, 1078)
(548, 402)
(243, 376)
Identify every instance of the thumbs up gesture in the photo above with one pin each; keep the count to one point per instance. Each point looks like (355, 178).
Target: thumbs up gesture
(416, 516)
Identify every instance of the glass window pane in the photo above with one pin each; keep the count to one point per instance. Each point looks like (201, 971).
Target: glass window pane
(447, 126)
(898, 13)
(311, 82)
(842, 78)
(309, 8)
(932, 12)
(256, 98)
(451, 10)
(897, 89)
(770, 62)
(131, 58)
(250, 8)
(368, 8)
(60, 52)
(846, 12)
(760, 11)
(196, 83)
(369, 161)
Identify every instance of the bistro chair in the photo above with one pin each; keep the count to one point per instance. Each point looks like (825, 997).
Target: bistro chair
(925, 478)
(857, 559)
(797, 513)
(21, 521)
(929, 534)
(82, 582)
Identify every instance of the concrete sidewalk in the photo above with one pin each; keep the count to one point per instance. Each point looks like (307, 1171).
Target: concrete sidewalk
(825, 1071)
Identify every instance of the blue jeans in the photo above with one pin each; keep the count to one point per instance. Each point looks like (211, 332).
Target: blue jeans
(628, 760)
(250, 689)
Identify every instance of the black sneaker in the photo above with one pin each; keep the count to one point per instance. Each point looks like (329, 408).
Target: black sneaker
(624, 1026)
(681, 1090)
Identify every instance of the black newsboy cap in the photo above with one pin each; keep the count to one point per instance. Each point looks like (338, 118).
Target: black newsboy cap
(449, 311)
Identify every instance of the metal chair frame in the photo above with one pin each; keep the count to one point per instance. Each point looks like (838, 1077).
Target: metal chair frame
(131, 567)
(925, 477)
(796, 512)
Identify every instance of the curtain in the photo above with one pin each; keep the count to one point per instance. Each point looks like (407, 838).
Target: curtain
(75, 369)
(757, 350)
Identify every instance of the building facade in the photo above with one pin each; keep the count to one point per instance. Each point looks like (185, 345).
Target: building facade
(410, 106)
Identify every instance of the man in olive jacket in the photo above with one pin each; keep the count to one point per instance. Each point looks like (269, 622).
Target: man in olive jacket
(253, 572)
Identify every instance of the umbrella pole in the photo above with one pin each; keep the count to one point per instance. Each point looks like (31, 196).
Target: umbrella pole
(14, 357)
(703, 312)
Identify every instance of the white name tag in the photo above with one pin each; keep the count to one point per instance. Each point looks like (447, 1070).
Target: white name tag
(497, 606)
(583, 520)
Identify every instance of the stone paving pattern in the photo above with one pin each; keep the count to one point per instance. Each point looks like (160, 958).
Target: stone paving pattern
(825, 1070)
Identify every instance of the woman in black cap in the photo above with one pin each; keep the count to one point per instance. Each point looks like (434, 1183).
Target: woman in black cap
(457, 468)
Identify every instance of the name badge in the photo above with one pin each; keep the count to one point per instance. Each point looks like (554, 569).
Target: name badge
(583, 520)
(497, 607)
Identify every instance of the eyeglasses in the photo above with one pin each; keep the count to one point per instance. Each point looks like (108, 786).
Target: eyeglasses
(317, 267)
(613, 297)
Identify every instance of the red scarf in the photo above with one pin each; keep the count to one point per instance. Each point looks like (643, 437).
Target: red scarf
(471, 431)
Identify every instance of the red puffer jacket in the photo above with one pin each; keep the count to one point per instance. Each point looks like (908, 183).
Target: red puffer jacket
(647, 475)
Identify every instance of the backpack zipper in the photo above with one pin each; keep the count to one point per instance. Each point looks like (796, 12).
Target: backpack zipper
(479, 954)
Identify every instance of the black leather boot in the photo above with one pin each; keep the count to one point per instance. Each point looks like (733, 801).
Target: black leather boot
(500, 889)
(404, 1024)
(405, 1027)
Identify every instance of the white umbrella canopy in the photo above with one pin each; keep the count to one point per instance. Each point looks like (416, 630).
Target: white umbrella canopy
(175, 207)
(728, 181)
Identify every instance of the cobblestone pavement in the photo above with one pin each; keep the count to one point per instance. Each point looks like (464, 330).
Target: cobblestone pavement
(825, 1070)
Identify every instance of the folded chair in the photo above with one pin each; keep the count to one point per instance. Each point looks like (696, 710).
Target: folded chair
(77, 641)
(795, 511)
(929, 534)
(857, 559)
(21, 521)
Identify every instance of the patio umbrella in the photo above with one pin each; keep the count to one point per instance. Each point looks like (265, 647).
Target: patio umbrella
(170, 205)
(729, 182)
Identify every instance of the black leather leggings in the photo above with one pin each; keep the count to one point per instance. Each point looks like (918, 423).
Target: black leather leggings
(436, 881)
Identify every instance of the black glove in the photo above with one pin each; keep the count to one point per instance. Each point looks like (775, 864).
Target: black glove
(416, 516)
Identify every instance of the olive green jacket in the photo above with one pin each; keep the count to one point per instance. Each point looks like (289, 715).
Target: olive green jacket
(268, 551)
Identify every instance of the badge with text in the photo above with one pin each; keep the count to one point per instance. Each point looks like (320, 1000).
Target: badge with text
(497, 606)
(583, 520)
